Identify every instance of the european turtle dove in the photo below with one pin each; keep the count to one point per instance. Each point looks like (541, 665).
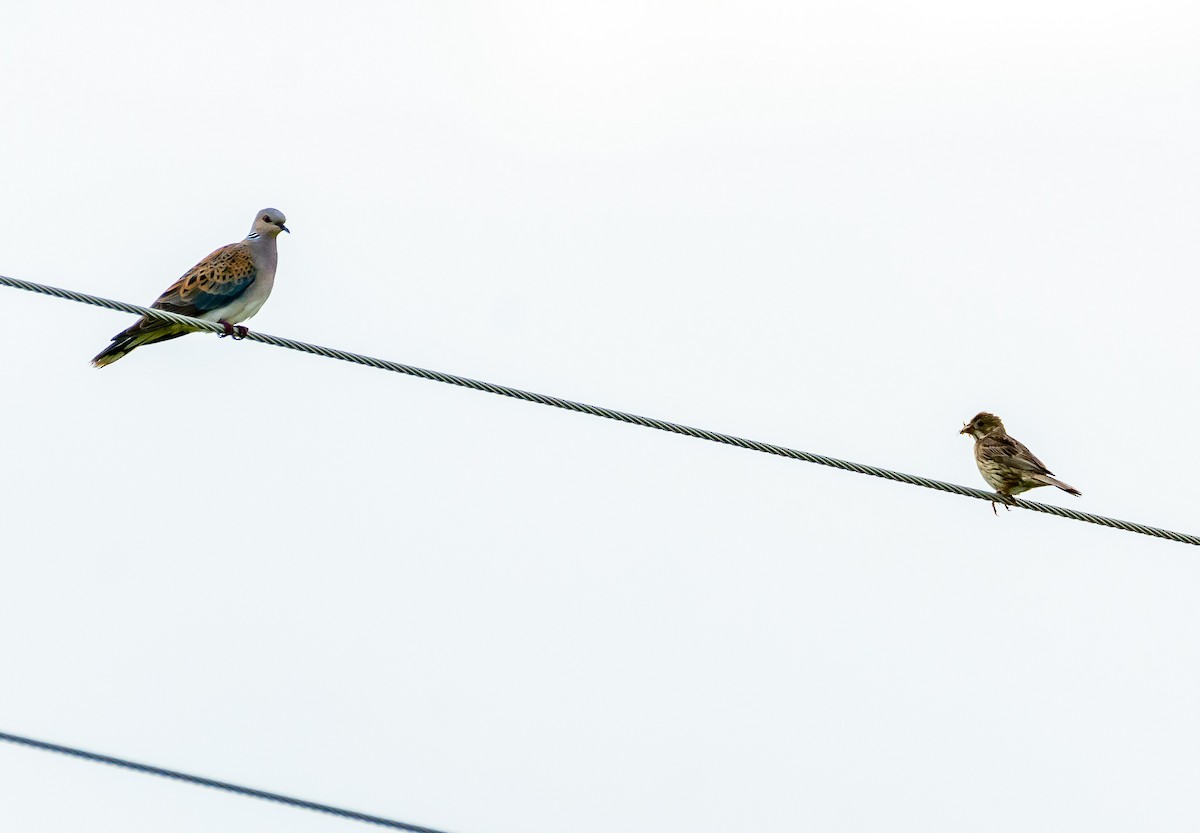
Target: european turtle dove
(227, 287)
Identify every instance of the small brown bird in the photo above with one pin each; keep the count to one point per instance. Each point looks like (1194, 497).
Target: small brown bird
(1006, 464)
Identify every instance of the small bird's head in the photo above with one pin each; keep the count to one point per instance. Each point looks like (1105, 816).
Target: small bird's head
(982, 425)
(269, 222)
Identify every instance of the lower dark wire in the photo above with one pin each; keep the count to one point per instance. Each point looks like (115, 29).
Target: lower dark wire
(220, 785)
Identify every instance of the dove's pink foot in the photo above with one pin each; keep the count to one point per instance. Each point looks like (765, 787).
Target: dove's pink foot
(236, 330)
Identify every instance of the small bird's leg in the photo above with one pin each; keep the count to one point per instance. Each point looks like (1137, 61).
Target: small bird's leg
(236, 330)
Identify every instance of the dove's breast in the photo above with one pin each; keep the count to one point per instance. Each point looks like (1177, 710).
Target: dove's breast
(246, 305)
(251, 301)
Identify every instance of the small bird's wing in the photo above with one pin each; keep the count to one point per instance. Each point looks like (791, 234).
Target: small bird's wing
(1012, 453)
(215, 282)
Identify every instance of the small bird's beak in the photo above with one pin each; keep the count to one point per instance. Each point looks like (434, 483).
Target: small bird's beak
(966, 429)
(282, 227)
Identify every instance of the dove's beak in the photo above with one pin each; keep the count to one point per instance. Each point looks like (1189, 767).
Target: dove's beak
(282, 227)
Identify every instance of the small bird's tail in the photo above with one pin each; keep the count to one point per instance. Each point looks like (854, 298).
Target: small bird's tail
(145, 331)
(1071, 490)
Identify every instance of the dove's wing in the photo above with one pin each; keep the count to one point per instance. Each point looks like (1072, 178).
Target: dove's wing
(213, 283)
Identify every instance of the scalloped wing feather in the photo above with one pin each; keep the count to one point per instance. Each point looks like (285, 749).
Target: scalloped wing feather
(215, 282)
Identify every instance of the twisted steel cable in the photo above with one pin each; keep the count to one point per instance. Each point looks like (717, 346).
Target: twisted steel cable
(607, 413)
(219, 785)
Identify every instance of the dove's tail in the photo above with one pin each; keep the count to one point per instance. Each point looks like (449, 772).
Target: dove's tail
(145, 331)
(1050, 481)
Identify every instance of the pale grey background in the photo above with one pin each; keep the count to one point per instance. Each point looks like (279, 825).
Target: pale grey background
(844, 227)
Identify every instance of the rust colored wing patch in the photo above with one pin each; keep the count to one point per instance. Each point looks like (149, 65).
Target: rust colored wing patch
(212, 283)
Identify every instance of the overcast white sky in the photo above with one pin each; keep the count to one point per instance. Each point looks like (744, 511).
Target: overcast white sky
(843, 227)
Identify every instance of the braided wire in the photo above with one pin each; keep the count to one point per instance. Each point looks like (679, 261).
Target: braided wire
(607, 413)
(219, 785)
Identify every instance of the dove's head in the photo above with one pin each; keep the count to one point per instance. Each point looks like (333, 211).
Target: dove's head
(983, 425)
(269, 222)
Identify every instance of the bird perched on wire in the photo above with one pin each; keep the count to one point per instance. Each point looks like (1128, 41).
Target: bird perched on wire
(1006, 464)
(227, 287)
